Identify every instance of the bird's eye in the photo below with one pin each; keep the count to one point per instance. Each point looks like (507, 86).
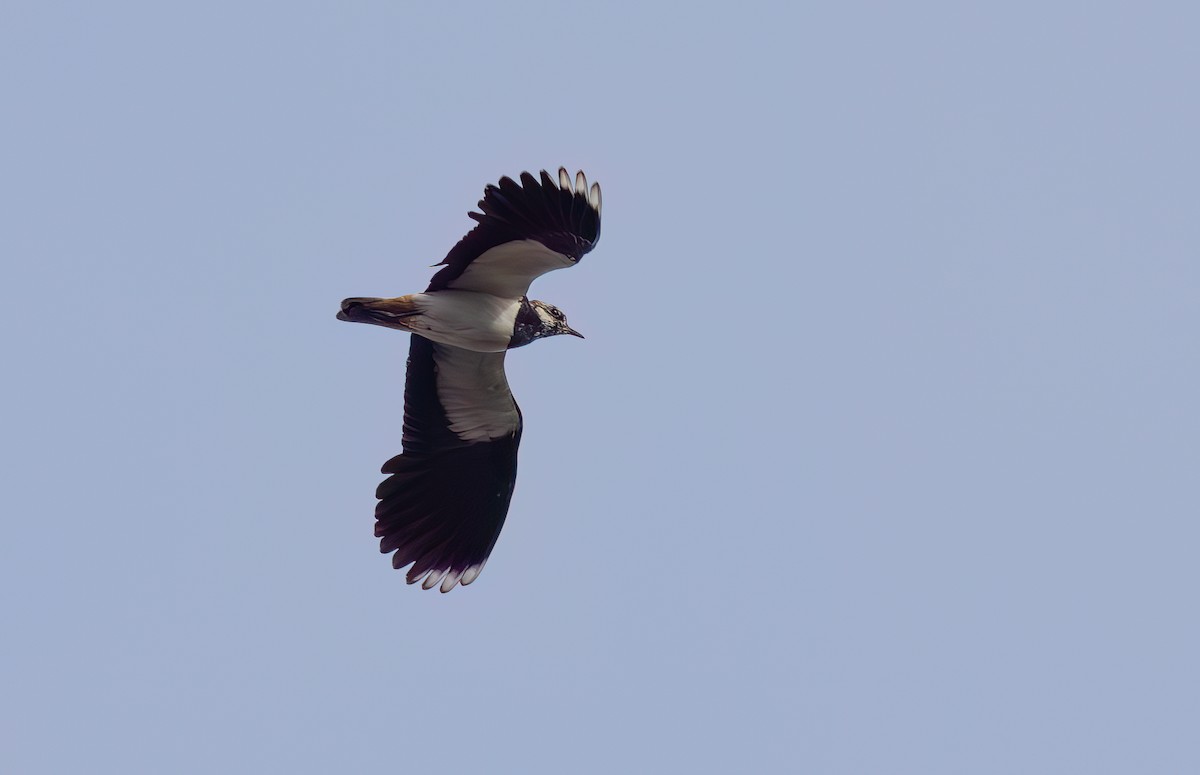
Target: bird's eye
(556, 313)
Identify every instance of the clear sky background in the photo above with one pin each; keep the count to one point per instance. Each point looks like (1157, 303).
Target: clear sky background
(881, 455)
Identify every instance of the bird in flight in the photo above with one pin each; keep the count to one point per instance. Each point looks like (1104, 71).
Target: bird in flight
(445, 500)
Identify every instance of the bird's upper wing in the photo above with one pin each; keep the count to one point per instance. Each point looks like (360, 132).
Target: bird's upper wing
(446, 499)
(524, 231)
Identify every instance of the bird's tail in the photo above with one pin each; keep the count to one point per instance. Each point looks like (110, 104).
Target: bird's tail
(380, 312)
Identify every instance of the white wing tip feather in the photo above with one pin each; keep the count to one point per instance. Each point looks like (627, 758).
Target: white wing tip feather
(433, 578)
(449, 579)
(472, 573)
(580, 187)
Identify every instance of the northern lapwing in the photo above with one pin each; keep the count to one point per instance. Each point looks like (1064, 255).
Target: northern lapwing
(447, 495)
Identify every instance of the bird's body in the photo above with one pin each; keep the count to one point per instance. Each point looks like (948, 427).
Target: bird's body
(448, 494)
(472, 320)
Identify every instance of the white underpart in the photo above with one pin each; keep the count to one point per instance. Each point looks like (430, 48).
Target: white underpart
(479, 322)
(474, 394)
(507, 270)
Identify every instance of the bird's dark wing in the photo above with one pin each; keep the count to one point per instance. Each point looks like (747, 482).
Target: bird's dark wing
(524, 231)
(444, 504)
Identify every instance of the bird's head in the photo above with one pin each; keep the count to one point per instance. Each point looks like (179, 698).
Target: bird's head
(551, 319)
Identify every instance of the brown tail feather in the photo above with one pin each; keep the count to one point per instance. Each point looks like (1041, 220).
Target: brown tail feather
(381, 312)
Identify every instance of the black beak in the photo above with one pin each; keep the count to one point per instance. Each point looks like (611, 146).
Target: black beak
(573, 332)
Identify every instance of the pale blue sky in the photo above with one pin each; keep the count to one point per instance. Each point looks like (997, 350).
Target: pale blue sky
(881, 455)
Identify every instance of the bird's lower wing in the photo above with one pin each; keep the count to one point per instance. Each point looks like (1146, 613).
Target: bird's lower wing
(447, 495)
